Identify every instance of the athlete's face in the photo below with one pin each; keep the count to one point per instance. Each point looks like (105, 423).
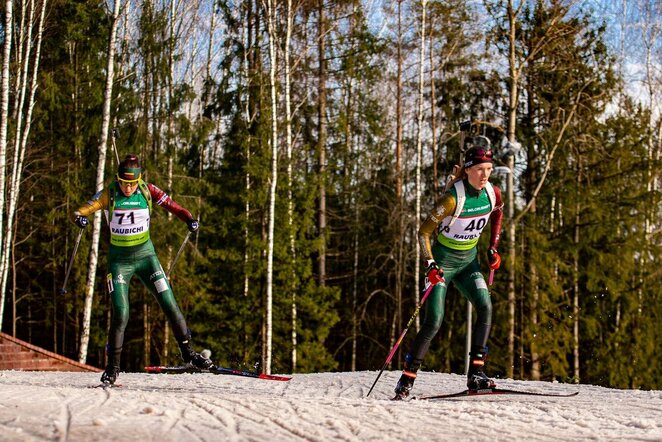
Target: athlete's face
(479, 174)
(128, 187)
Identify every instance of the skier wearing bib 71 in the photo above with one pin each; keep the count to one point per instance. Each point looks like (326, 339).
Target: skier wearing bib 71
(128, 203)
(460, 216)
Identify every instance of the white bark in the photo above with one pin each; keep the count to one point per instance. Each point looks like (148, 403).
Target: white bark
(321, 142)
(271, 20)
(419, 155)
(290, 198)
(514, 73)
(20, 48)
(247, 188)
(355, 288)
(101, 168)
(22, 133)
(399, 100)
(23, 56)
(575, 287)
(4, 117)
(208, 80)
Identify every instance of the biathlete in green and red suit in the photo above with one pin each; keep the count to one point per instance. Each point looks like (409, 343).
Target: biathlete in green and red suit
(455, 252)
(128, 202)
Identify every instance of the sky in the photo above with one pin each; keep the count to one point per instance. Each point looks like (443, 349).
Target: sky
(62, 406)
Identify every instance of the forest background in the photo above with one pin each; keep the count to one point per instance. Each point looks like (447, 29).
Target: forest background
(311, 137)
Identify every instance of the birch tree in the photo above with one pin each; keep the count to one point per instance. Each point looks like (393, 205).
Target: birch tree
(321, 141)
(513, 96)
(419, 150)
(101, 170)
(399, 192)
(273, 44)
(290, 198)
(398, 106)
(4, 117)
(26, 85)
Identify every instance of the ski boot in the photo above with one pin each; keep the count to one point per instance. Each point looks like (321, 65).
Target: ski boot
(192, 357)
(405, 384)
(476, 377)
(109, 376)
(408, 377)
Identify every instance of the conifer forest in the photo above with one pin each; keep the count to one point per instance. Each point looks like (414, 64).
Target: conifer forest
(311, 138)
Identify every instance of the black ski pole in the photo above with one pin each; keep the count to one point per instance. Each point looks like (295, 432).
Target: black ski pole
(402, 335)
(71, 262)
(179, 252)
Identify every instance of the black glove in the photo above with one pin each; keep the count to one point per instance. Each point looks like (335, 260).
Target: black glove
(434, 273)
(193, 225)
(81, 221)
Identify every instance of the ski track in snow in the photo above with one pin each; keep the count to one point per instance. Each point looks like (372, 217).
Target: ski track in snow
(49, 406)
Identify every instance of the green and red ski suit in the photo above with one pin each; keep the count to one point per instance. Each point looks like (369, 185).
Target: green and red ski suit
(132, 253)
(455, 252)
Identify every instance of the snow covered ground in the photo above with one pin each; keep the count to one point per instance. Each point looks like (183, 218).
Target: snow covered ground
(37, 406)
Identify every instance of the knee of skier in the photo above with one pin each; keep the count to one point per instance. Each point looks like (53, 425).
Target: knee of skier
(120, 317)
(484, 309)
(432, 324)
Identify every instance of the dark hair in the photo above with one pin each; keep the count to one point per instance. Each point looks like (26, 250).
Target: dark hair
(130, 161)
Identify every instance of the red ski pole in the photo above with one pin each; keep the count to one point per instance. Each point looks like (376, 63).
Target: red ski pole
(402, 335)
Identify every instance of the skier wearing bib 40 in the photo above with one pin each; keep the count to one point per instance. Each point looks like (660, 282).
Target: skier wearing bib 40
(461, 216)
(128, 203)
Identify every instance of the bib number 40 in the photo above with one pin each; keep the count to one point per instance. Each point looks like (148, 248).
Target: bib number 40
(476, 225)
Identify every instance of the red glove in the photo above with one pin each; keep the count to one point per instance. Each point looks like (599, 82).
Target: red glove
(434, 273)
(494, 259)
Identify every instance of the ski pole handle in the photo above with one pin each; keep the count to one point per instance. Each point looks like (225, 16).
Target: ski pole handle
(115, 134)
(491, 277)
(63, 290)
(402, 335)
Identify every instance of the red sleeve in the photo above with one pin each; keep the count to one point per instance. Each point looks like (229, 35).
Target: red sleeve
(162, 199)
(495, 219)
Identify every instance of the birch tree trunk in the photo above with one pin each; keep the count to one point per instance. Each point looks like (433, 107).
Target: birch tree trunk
(534, 279)
(23, 55)
(433, 111)
(271, 19)
(208, 80)
(512, 122)
(321, 143)
(290, 197)
(4, 118)
(101, 168)
(398, 109)
(170, 135)
(575, 284)
(398, 187)
(419, 151)
(22, 133)
(247, 66)
(351, 171)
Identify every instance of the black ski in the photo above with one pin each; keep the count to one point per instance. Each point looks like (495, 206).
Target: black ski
(491, 391)
(214, 370)
(106, 386)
